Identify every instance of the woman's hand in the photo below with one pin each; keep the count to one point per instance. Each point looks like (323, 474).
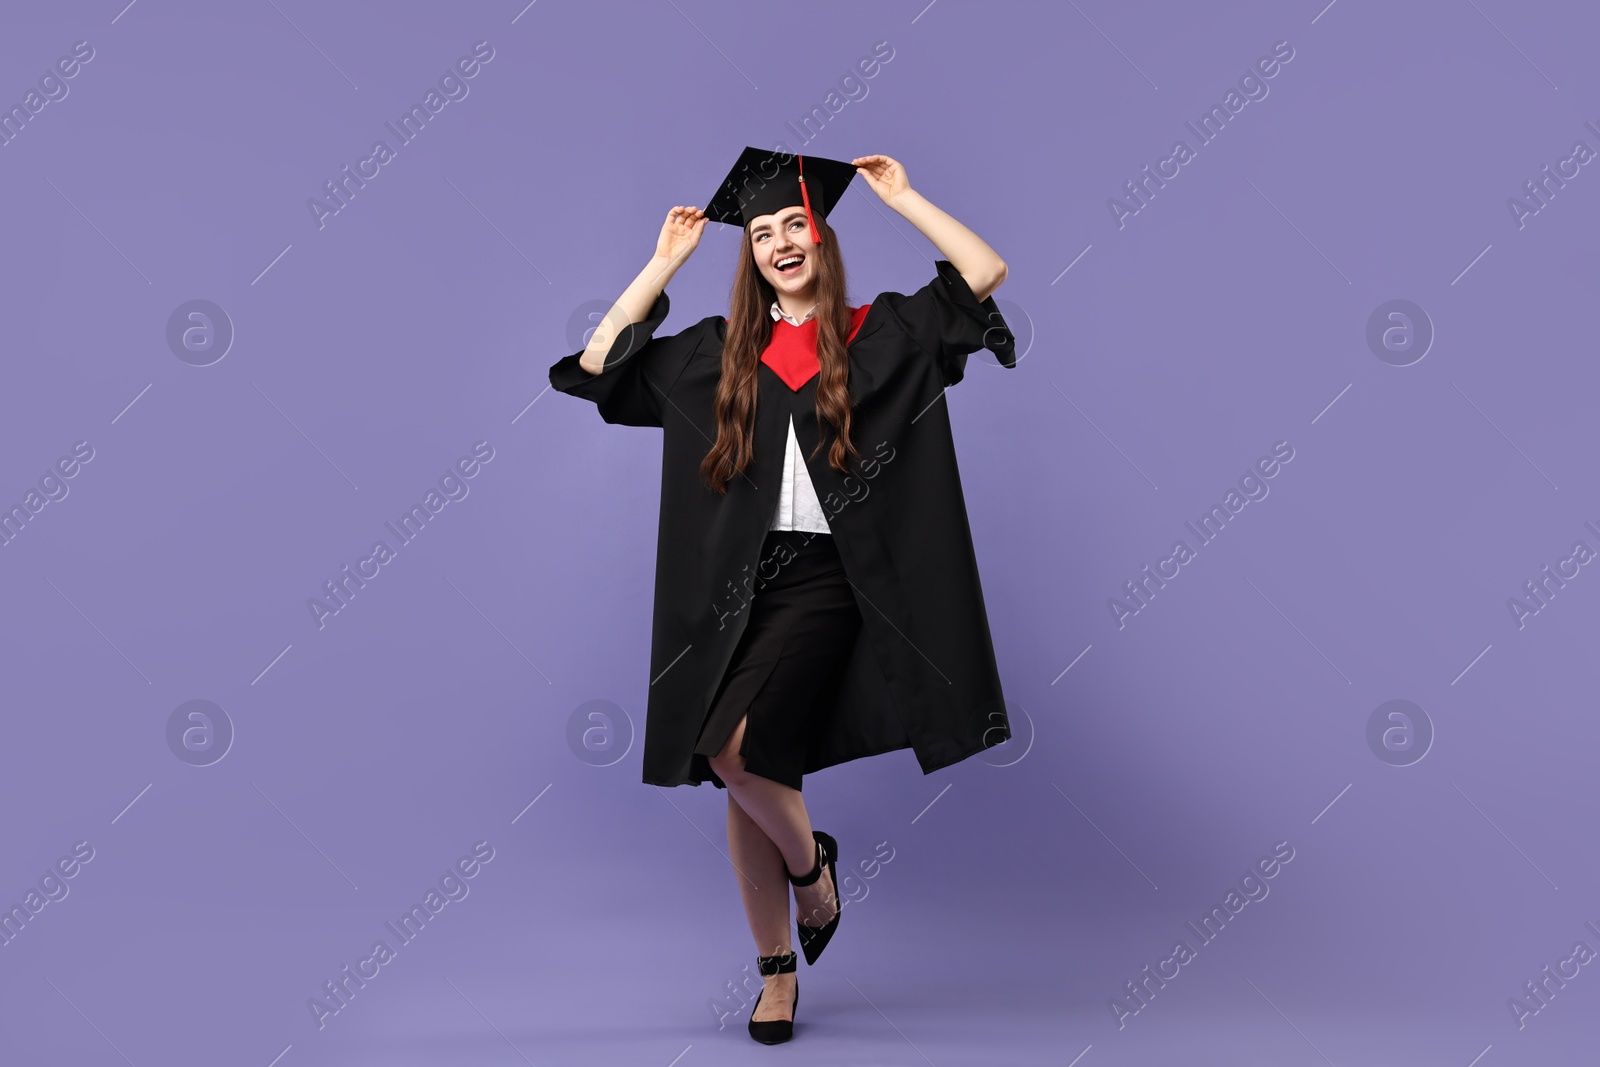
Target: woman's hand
(885, 176)
(680, 234)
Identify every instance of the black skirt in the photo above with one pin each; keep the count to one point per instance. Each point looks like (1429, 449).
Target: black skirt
(786, 671)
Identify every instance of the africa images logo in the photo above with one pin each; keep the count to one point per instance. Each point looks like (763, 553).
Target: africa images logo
(340, 990)
(452, 84)
(1252, 888)
(453, 486)
(1252, 488)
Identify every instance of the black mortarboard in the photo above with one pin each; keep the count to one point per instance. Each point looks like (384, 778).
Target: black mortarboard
(764, 181)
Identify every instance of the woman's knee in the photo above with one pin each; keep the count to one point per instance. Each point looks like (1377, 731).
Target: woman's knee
(729, 765)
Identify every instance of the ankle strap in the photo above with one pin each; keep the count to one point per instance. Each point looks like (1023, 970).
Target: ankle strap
(781, 964)
(816, 872)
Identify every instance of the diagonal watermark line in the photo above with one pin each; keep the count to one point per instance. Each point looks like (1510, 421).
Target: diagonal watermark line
(1513, 44)
(302, 833)
(282, 1054)
(1290, 1021)
(274, 263)
(702, 833)
(124, 11)
(131, 803)
(274, 663)
(1103, 834)
(530, 404)
(1069, 266)
(102, 233)
(1502, 833)
(932, 802)
(1102, 433)
(872, 201)
(897, 630)
(132, 402)
(926, 406)
(713, 44)
(531, 803)
(1332, 402)
(90, 1021)
(1113, 44)
(1301, 232)
(523, 12)
(1324, 11)
(1502, 433)
(1069, 666)
(490, 1021)
(890, 1021)
(1302, 633)
(313, 44)
(669, 666)
(99, 631)
(1469, 266)
(1331, 803)
(302, 433)
(924, 11)
(1469, 666)
(499, 231)
(668, 398)
(501, 632)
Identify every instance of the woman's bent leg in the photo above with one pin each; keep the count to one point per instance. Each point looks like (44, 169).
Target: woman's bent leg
(762, 883)
(760, 812)
(780, 813)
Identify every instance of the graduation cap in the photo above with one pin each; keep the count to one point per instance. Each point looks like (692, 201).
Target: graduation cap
(764, 181)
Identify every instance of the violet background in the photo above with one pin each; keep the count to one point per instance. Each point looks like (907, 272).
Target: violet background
(1026, 886)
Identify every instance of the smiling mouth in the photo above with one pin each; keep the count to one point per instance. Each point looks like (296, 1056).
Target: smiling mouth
(789, 264)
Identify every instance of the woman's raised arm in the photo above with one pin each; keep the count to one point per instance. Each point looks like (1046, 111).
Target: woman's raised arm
(680, 235)
(978, 264)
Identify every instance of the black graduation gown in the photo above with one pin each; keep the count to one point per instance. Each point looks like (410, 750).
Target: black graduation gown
(922, 673)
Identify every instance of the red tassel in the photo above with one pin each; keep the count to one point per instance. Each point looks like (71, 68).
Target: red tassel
(806, 198)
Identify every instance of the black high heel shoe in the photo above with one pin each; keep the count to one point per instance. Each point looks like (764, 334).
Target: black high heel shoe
(774, 1031)
(813, 939)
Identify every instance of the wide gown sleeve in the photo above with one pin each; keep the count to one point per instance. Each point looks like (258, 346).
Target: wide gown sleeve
(948, 322)
(638, 372)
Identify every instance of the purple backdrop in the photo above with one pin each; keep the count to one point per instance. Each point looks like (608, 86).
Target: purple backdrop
(1350, 321)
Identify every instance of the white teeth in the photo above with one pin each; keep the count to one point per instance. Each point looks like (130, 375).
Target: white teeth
(789, 261)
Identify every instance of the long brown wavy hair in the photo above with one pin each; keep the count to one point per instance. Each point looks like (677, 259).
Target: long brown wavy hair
(749, 331)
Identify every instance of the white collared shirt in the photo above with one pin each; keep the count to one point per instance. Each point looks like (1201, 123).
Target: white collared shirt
(798, 506)
(779, 313)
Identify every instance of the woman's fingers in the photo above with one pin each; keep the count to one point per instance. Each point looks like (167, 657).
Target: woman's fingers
(681, 232)
(882, 172)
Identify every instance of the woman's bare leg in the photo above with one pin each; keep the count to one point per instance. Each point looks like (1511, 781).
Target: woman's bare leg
(766, 904)
(769, 834)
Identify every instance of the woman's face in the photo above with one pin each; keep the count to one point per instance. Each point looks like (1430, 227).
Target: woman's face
(782, 247)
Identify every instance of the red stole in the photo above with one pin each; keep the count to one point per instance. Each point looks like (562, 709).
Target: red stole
(792, 353)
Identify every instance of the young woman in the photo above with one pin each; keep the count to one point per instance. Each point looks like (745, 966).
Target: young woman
(816, 596)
